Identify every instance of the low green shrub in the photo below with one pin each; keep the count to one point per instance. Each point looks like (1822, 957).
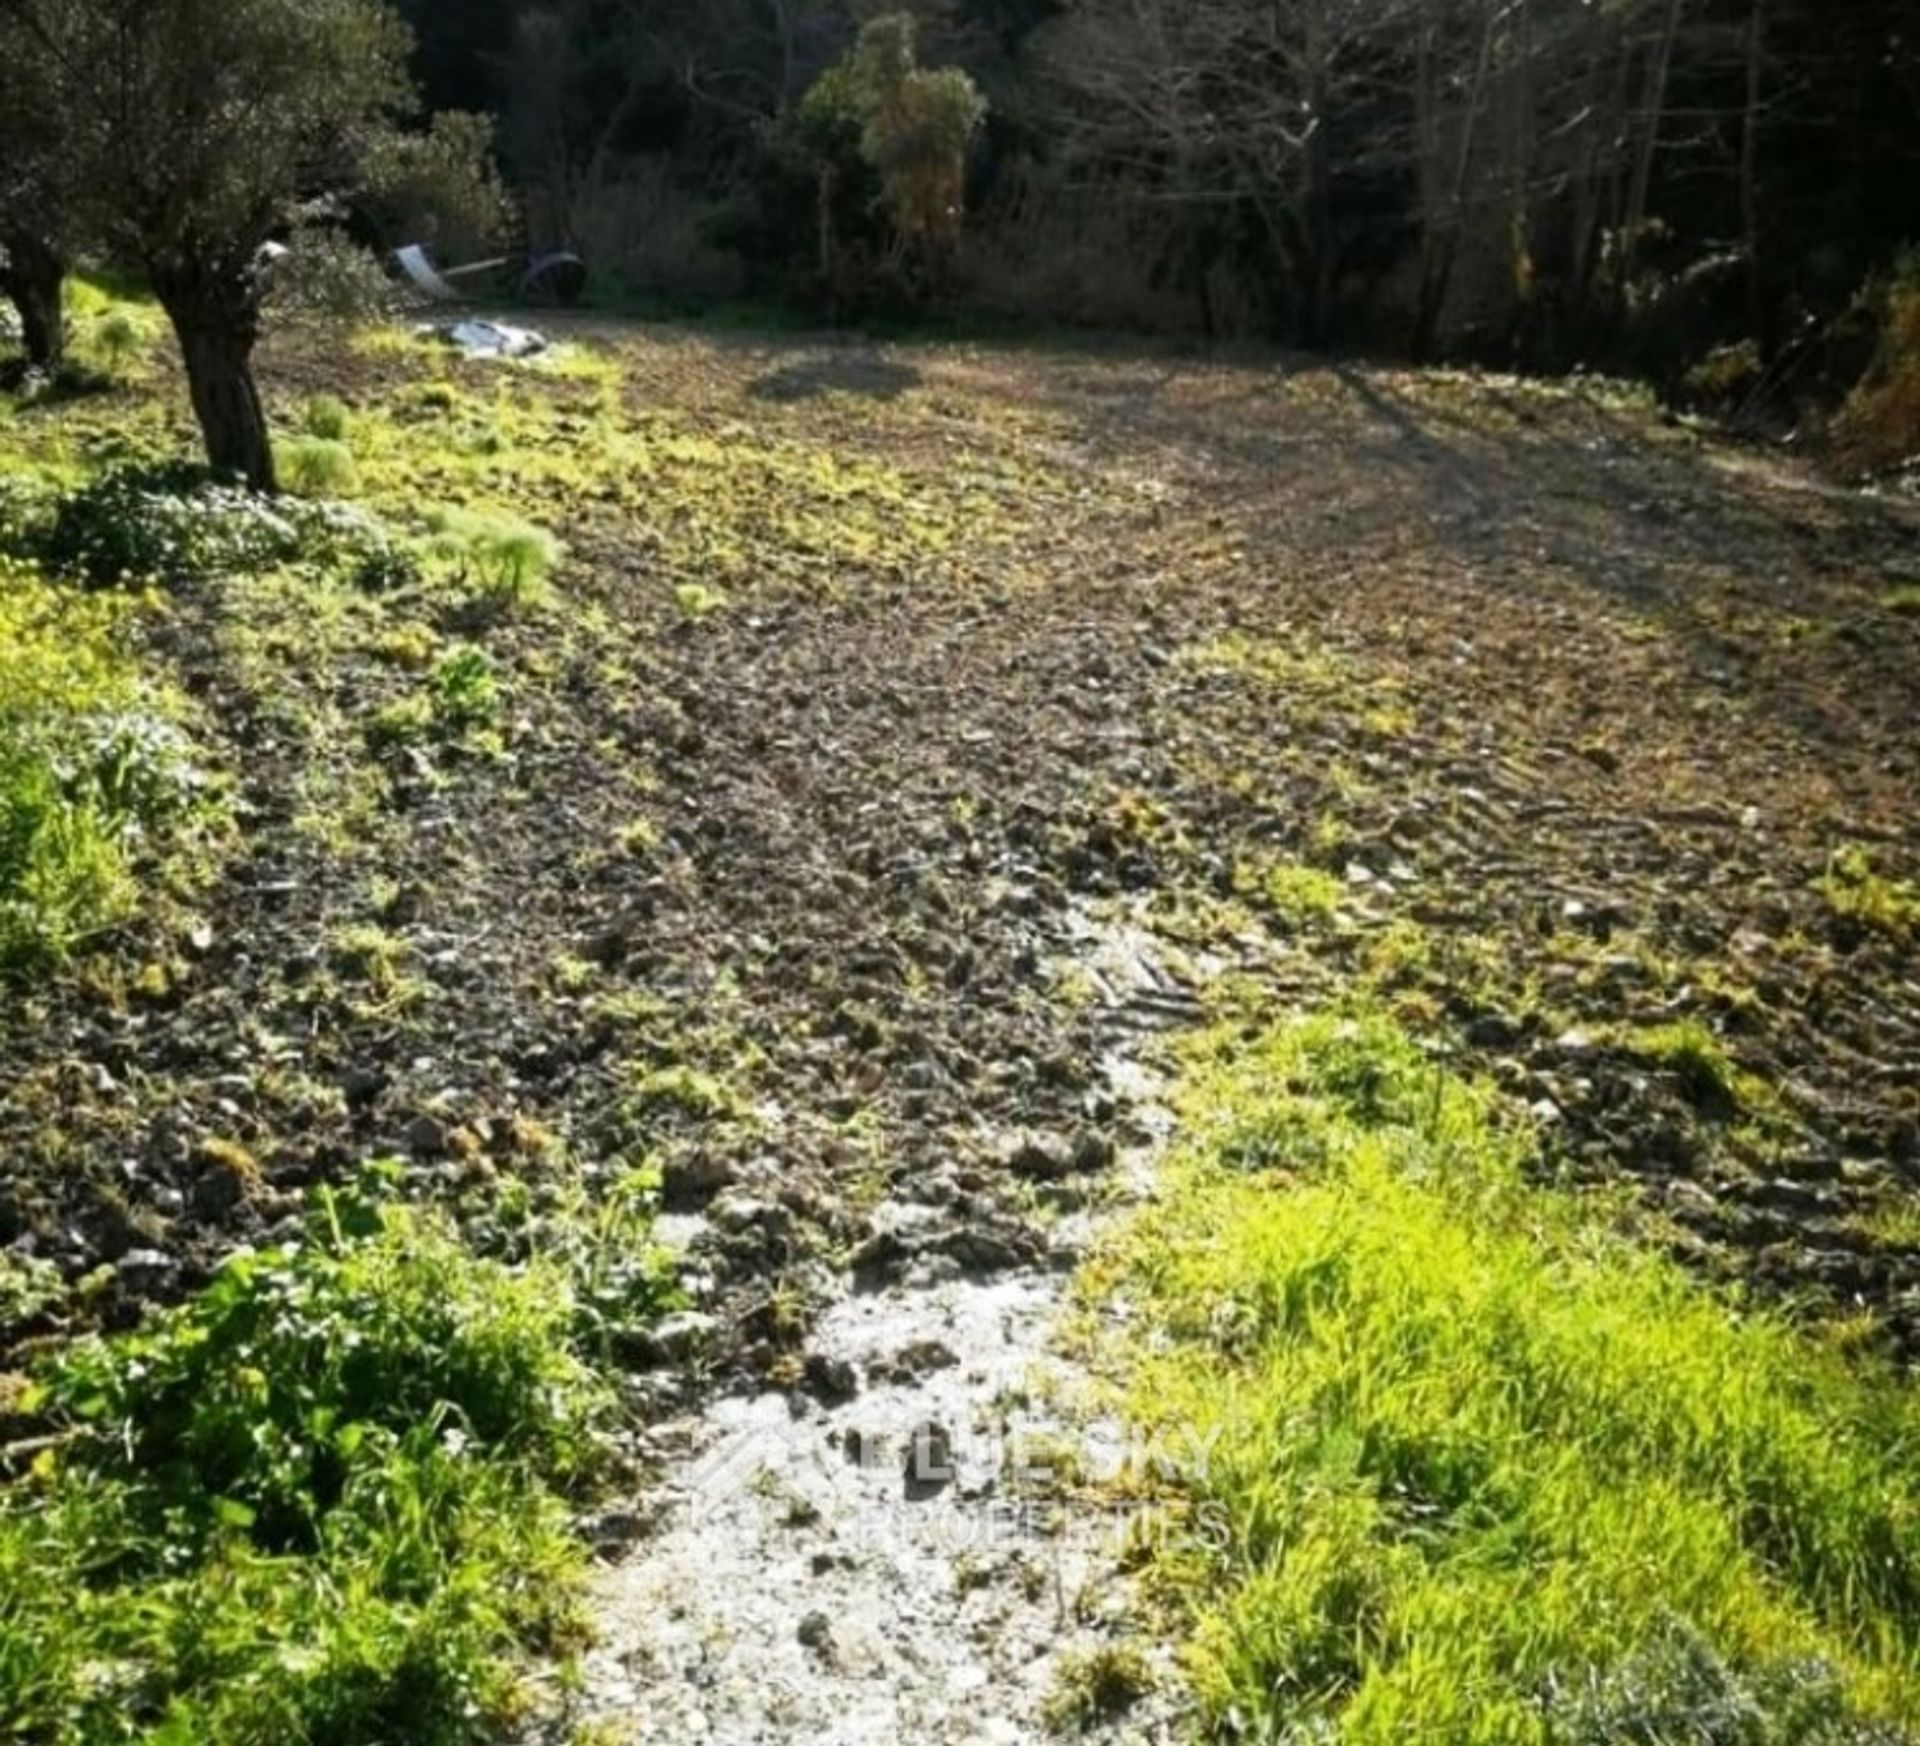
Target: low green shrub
(318, 1503)
(175, 524)
(461, 696)
(315, 466)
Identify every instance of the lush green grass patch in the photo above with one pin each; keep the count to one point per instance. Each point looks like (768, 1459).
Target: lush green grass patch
(93, 768)
(322, 1501)
(1476, 1468)
(1862, 896)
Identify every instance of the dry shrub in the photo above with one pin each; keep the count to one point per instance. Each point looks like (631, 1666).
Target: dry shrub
(1880, 424)
(638, 226)
(1040, 251)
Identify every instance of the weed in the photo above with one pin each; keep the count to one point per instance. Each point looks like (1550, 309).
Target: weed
(506, 562)
(466, 690)
(1862, 897)
(119, 336)
(326, 417)
(1707, 1073)
(1097, 1685)
(315, 1503)
(1298, 896)
(697, 601)
(318, 467)
(1472, 1462)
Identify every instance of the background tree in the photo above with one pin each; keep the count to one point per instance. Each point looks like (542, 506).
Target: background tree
(32, 258)
(190, 132)
(918, 125)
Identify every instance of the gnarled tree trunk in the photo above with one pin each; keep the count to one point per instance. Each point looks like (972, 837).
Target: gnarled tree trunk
(31, 280)
(216, 318)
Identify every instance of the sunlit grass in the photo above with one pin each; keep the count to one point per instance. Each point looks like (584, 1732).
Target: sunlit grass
(1477, 1469)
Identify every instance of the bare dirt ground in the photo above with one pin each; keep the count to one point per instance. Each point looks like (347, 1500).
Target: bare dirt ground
(1532, 715)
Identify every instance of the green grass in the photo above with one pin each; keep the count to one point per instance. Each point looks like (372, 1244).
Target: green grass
(1297, 895)
(506, 562)
(1858, 893)
(1477, 1469)
(93, 769)
(322, 1502)
(317, 466)
(1708, 1074)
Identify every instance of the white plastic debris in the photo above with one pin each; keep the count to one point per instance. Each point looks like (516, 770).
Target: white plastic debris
(488, 339)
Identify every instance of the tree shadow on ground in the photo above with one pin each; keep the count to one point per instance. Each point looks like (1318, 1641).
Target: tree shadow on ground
(857, 373)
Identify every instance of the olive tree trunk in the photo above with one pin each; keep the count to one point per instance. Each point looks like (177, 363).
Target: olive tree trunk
(31, 279)
(217, 322)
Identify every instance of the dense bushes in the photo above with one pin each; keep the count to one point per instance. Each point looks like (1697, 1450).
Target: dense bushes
(177, 524)
(1881, 422)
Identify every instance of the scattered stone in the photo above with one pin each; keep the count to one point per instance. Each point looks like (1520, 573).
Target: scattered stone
(832, 1381)
(816, 1633)
(929, 1464)
(913, 1363)
(691, 1179)
(682, 1336)
(427, 1136)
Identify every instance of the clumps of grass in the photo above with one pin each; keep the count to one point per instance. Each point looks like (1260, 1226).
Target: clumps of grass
(1708, 1074)
(93, 770)
(1098, 1685)
(315, 466)
(378, 961)
(460, 698)
(1473, 1464)
(1867, 901)
(1903, 601)
(505, 563)
(320, 1502)
(326, 417)
(120, 337)
(697, 601)
(1298, 896)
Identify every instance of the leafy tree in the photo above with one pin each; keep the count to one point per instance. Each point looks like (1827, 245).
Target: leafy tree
(917, 127)
(189, 132)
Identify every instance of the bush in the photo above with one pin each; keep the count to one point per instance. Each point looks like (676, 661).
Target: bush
(326, 277)
(91, 770)
(178, 524)
(317, 466)
(1880, 424)
(314, 1504)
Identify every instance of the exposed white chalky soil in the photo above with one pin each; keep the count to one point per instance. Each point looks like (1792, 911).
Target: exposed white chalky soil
(923, 1559)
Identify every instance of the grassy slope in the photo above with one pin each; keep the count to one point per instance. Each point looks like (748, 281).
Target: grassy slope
(1478, 1469)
